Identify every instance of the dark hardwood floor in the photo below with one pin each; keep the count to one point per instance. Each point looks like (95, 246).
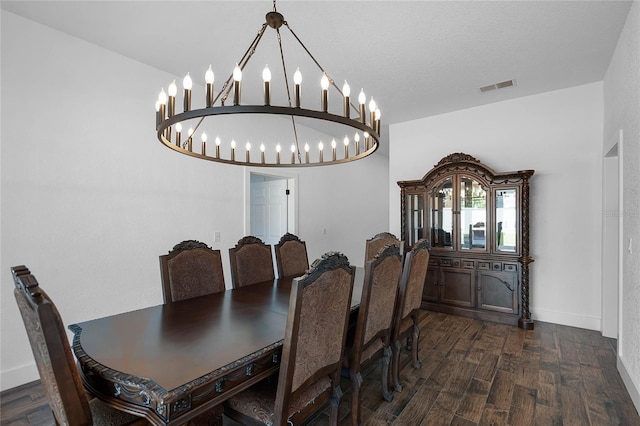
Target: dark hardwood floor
(473, 373)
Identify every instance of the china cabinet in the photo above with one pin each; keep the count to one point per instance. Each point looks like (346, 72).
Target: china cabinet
(477, 221)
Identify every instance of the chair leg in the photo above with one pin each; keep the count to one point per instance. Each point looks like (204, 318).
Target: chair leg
(386, 360)
(395, 367)
(356, 384)
(334, 403)
(414, 349)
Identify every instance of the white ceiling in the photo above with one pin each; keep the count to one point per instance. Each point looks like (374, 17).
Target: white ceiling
(417, 58)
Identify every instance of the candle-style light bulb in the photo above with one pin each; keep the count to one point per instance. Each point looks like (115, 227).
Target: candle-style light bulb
(362, 99)
(346, 146)
(266, 78)
(366, 140)
(324, 97)
(372, 111)
(233, 150)
(324, 82)
(209, 78)
(278, 148)
(204, 143)
(333, 149)
(173, 89)
(356, 139)
(262, 148)
(297, 80)
(237, 73)
(346, 92)
(218, 141)
(266, 73)
(187, 84)
(377, 125)
(237, 78)
(293, 153)
(248, 147)
(171, 106)
(178, 127)
(320, 150)
(162, 97)
(306, 152)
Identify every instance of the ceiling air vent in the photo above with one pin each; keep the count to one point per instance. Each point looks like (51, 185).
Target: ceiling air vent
(502, 84)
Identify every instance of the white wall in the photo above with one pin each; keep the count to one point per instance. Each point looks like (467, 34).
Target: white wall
(622, 112)
(90, 198)
(559, 135)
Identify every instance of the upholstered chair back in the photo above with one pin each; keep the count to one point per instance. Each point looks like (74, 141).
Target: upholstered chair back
(291, 256)
(191, 269)
(251, 262)
(375, 244)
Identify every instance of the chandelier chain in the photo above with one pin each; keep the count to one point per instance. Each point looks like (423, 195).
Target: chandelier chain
(331, 81)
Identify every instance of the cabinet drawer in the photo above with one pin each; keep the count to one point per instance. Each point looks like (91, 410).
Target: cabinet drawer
(446, 262)
(484, 265)
(470, 264)
(510, 267)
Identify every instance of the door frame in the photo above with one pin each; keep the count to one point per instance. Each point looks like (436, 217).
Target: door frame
(292, 199)
(612, 239)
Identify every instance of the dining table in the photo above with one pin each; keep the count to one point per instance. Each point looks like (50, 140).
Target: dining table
(171, 363)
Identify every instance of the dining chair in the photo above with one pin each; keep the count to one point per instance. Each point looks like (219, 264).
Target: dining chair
(405, 324)
(57, 368)
(251, 262)
(373, 245)
(191, 269)
(312, 350)
(291, 256)
(372, 336)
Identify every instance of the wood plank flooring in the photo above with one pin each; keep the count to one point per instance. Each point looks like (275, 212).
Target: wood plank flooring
(473, 373)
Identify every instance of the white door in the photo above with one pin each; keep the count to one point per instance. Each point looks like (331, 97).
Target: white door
(268, 208)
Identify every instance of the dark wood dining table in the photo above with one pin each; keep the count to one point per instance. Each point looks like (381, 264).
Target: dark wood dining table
(170, 363)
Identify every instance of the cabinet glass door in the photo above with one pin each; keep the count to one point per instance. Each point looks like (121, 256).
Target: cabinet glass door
(506, 220)
(415, 218)
(473, 214)
(441, 213)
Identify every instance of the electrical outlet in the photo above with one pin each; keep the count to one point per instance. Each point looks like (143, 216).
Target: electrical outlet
(216, 236)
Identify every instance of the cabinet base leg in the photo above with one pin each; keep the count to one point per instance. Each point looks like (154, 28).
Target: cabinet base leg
(526, 324)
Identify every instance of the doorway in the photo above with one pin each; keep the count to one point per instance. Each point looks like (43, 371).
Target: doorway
(272, 206)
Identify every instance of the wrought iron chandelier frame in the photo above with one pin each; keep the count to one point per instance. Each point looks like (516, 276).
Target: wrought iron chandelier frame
(167, 119)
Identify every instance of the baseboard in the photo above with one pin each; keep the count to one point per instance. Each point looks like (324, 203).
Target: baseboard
(18, 376)
(564, 318)
(632, 388)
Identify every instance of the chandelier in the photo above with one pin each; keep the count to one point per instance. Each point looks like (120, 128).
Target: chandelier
(333, 138)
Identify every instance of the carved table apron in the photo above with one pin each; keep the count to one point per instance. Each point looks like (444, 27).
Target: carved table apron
(171, 363)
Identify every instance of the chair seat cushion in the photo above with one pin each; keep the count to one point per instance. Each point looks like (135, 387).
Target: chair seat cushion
(104, 414)
(258, 402)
